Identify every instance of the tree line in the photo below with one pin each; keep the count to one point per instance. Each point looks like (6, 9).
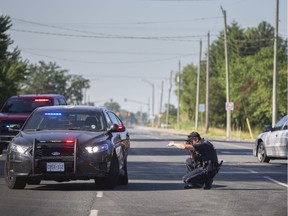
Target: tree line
(251, 76)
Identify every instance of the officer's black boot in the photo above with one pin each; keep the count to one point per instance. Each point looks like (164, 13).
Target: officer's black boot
(208, 184)
(193, 186)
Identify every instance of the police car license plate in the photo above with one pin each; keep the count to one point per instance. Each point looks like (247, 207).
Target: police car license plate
(55, 167)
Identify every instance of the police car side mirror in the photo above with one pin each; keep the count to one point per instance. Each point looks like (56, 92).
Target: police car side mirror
(116, 128)
(267, 128)
(14, 127)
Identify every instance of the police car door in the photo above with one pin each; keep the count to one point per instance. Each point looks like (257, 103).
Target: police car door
(278, 138)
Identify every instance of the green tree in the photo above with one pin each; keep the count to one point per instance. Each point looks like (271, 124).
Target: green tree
(12, 67)
(188, 90)
(251, 77)
(257, 38)
(113, 106)
(76, 85)
(251, 66)
(45, 78)
(50, 78)
(172, 114)
(256, 89)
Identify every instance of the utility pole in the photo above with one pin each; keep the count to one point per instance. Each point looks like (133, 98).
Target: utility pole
(168, 105)
(161, 101)
(153, 99)
(228, 111)
(207, 83)
(149, 112)
(198, 88)
(179, 87)
(275, 68)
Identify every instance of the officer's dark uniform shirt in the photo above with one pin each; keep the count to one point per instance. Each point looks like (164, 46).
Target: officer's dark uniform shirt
(207, 151)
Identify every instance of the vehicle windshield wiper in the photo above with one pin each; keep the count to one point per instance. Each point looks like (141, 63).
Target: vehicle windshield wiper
(74, 128)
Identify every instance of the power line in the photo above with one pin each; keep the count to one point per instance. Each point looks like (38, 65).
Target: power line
(103, 52)
(170, 38)
(64, 28)
(115, 36)
(250, 41)
(109, 62)
(123, 76)
(120, 23)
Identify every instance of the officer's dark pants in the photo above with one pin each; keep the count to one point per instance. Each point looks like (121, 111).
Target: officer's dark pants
(191, 166)
(210, 175)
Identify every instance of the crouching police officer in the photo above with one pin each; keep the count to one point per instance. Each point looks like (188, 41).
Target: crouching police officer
(202, 165)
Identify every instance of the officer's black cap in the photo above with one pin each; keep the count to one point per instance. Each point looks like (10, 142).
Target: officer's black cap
(194, 134)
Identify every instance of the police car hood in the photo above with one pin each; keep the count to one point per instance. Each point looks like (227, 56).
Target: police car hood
(82, 137)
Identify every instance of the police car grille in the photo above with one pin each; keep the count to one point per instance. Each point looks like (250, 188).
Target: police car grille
(54, 152)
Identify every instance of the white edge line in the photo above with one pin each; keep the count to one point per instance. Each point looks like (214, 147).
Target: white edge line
(93, 212)
(99, 194)
(252, 171)
(275, 181)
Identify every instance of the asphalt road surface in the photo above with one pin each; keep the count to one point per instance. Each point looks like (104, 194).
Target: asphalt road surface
(242, 187)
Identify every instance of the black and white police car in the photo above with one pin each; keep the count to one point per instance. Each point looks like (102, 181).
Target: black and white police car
(64, 143)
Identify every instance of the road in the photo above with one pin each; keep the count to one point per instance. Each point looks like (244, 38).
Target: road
(242, 187)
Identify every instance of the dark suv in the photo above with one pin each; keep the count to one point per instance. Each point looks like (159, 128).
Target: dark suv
(17, 109)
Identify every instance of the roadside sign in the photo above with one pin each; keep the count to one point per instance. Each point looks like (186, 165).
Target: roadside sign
(229, 106)
(201, 107)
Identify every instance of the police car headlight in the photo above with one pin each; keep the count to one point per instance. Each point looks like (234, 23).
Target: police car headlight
(99, 148)
(19, 148)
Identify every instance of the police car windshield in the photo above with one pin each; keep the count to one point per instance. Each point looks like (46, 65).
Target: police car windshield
(88, 121)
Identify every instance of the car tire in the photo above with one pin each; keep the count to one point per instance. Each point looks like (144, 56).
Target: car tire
(12, 181)
(99, 182)
(261, 153)
(111, 180)
(113, 176)
(123, 179)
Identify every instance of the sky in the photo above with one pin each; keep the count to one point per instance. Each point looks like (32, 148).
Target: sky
(125, 47)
